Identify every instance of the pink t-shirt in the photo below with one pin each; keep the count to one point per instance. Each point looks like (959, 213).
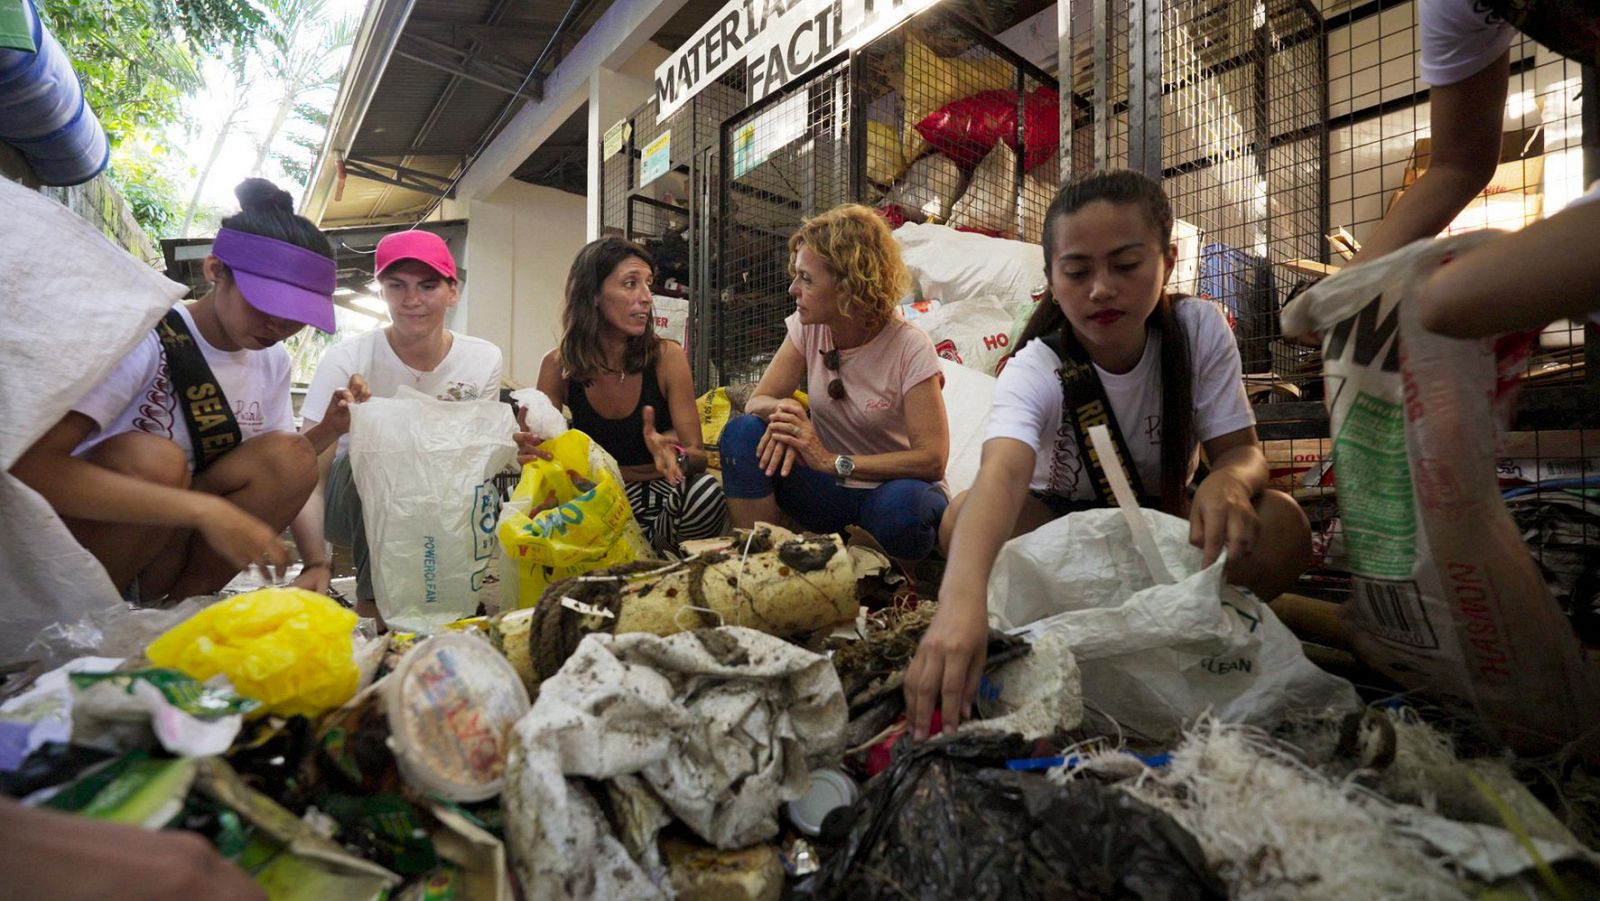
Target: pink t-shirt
(871, 419)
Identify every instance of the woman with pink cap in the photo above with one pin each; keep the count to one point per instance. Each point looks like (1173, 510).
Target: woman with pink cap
(420, 285)
(182, 466)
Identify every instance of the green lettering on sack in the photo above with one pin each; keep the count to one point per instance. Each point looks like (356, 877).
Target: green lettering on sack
(1376, 507)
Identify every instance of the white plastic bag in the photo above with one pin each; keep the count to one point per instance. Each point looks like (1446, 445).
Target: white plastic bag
(424, 469)
(965, 390)
(975, 333)
(75, 304)
(1447, 598)
(1155, 656)
(672, 318)
(953, 266)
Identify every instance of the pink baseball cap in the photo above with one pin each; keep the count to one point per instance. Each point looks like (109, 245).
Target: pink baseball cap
(424, 247)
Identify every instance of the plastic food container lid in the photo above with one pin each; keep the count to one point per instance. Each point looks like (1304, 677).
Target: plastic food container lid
(830, 790)
(451, 704)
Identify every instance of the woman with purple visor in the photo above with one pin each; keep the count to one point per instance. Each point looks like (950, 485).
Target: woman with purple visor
(182, 466)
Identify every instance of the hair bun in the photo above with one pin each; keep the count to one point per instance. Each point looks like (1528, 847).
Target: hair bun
(258, 194)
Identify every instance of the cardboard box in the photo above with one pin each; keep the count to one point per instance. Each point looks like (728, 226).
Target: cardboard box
(1514, 196)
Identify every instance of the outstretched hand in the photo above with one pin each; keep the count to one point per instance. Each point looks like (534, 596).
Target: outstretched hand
(944, 674)
(1223, 515)
(527, 442)
(662, 450)
(337, 418)
(243, 540)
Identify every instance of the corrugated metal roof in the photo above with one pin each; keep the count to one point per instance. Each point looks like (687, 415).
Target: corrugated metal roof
(426, 120)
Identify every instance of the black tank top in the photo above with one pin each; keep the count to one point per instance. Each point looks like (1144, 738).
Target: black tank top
(622, 438)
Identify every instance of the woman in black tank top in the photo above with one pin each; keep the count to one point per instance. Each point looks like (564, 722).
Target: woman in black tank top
(626, 387)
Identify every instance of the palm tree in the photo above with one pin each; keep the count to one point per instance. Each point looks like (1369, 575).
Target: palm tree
(306, 56)
(238, 66)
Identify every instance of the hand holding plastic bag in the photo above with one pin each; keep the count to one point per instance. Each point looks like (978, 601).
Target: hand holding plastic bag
(424, 468)
(568, 515)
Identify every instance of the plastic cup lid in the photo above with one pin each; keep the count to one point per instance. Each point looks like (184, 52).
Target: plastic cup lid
(451, 704)
(830, 790)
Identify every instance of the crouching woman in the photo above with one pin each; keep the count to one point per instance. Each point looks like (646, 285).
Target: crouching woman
(871, 449)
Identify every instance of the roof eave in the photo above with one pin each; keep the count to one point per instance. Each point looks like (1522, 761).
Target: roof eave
(374, 46)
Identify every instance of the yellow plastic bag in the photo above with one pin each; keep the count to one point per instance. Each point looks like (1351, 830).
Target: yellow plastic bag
(567, 516)
(288, 648)
(715, 408)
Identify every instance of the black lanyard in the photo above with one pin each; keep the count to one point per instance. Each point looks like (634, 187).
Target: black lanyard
(213, 430)
(1084, 405)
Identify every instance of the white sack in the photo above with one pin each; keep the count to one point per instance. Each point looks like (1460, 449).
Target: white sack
(716, 724)
(1154, 657)
(1446, 597)
(424, 468)
(672, 317)
(976, 333)
(952, 266)
(966, 391)
(76, 304)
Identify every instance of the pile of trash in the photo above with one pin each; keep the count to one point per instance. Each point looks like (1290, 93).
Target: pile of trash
(731, 725)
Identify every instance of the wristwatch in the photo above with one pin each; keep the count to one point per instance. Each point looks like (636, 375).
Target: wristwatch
(844, 467)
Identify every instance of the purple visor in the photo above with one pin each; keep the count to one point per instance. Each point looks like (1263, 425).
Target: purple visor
(279, 278)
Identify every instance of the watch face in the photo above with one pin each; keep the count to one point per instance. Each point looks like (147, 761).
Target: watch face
(844, 466)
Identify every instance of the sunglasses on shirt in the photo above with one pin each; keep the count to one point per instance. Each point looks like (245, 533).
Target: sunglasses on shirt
(830, 359)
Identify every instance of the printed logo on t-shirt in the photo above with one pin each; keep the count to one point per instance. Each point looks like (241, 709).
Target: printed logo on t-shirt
(460, 391)
(158, 412)
(877, 405)
(1152, 430)
(1065, 466)
(249, 417)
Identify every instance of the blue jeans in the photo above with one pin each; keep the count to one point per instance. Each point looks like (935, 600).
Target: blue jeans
(903, 514)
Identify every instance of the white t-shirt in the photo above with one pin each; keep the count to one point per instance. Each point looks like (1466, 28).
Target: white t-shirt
(138, 392)
(470, 371)
(1459, 38)
(1027, 404)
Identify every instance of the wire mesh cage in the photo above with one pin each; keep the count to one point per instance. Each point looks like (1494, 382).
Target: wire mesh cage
(932, 122)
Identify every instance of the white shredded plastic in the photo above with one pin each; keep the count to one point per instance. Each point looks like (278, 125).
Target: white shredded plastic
(1275, 828)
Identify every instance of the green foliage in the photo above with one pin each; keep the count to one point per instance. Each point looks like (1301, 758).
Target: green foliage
(137, 59)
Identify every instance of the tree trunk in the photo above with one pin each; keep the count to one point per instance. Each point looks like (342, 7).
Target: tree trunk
(285, 105)
(205, 173)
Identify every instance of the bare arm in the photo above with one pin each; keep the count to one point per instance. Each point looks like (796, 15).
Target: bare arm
(1466, 119)
(949, 661)
(48, 854)
(77, 488)
(783, 376)
(677, 383)
(1523, 280)
(551, 382)
(927, 428)
(1223, 514)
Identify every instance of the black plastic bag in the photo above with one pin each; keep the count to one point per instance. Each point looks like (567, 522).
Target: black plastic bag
(1565, 541)
(940, 823)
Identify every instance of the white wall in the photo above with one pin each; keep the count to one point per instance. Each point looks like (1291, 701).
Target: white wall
(521, 240)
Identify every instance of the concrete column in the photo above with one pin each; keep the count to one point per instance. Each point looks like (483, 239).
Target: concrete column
(521, 241)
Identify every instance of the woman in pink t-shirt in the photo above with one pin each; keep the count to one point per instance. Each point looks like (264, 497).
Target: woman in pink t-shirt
(871, 450)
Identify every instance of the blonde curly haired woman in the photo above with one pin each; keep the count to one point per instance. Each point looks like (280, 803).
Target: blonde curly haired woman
(871, 449)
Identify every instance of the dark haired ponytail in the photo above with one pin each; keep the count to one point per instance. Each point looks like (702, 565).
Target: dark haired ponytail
(1177, 404)
(267, 210)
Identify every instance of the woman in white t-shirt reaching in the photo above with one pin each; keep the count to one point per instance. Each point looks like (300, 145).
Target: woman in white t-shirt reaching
(181, 467)
(419, 280)
(1100, 350)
